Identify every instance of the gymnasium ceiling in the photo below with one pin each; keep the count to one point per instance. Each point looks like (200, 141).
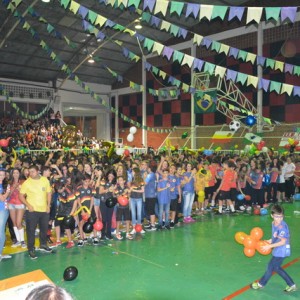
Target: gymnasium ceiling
(22, 57)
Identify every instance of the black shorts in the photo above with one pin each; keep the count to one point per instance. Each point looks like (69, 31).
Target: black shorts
(150, 206)
(233, 194)
(224, 195)
(173, 204)
(58, 222)
(209, 190)
(281, 187)
(123, 214)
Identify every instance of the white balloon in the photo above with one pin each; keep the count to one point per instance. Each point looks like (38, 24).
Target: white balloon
(132, 130)
(119, 151)
(130, 137)
(264, 149)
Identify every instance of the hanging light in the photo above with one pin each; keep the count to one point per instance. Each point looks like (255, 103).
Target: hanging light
(91, 59)
(46, 1)
(138, 26)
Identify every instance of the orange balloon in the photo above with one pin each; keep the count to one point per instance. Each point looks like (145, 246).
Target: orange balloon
(259, 246)
(85, 216)
(249, 252)
(249, 242)
(247, 197)
(240, 237)
(257, 233)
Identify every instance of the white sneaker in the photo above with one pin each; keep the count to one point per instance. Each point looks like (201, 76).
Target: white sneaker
(132, 231)
(16, 244)
(143, 231)
(4, 257)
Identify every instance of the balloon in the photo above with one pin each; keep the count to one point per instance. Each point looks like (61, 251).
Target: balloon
(266, 179)
(291, 141)
(98, 225)
(138, 228)
(92, 220)
(126, 152)
(4, 143)
(123, 200)
(249, 242)
(69, 136)
(184, 135)
(296, 143)
(249, 252)
(111, 202)
(133, 130)
(250, 121)
(69, 222)
(130, 137)
(119, 151)
(87, 227)
(111, 148)
(256, 211)
(85, 216)
(240, 197)
(13, 142)
(70, 273)
(256, 233)
(201, 196)
(259, 246)
(247, 197)
(263, 212)
(264, 149)
(240, 237)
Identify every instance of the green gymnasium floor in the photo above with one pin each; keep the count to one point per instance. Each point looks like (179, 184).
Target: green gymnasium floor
(194, 261)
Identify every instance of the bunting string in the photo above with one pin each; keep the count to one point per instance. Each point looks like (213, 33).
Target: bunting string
(18, 110)
(26, 26)
(183, 58)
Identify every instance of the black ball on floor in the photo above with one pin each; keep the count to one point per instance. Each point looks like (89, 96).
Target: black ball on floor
(87, 227)
(70, 273)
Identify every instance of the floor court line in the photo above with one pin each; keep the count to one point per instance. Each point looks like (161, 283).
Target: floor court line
(247, 287)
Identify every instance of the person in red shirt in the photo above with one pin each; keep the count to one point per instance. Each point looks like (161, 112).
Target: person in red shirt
(224, 189)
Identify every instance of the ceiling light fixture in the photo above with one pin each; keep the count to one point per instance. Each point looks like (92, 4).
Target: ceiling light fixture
(138, 26)
(91, 59)
(46, 1)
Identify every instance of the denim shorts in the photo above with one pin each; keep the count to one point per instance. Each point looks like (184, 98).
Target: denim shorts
(16, 206)
(96, 202)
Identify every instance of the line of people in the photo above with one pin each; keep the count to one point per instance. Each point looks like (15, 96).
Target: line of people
(158, 191)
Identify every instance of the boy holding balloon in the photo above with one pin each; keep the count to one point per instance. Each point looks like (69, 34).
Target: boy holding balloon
(280, 243)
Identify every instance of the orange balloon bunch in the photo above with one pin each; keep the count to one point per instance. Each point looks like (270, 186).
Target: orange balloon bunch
(252, 242)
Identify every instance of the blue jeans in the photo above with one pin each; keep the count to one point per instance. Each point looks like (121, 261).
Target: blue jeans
(275, 266)
(3, 218)
(163, 208)
(136, 210)
(188, 199)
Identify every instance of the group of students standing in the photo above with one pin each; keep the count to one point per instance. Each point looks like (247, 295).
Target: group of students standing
(156, 190)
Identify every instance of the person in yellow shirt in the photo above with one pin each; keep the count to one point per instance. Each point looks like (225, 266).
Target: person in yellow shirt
(36, 193)
(202, 179)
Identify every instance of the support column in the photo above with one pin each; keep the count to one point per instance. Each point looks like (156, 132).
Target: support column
(117, 116)
(144, 102)
(193, 119)
(260, 37)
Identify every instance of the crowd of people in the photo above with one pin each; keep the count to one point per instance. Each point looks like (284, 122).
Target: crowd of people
(153, 190)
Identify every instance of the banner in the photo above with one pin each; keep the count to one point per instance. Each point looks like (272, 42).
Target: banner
(205, 102)
(289, 135)
(222, 136)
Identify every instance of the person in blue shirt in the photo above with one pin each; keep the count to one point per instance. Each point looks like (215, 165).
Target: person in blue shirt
(280, 243)
(150, 195)
(164, 199)
(175, 194)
